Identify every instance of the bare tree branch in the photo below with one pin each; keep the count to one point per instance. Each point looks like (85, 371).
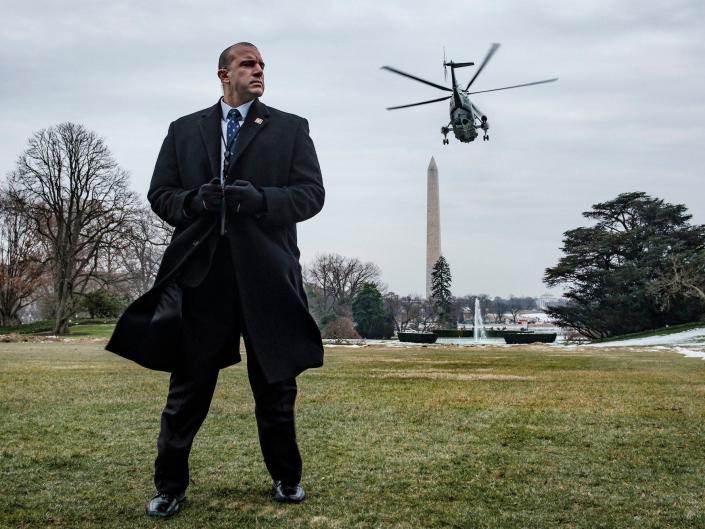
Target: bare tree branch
(79, 204)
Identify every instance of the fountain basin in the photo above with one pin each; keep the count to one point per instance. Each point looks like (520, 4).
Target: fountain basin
(529, 337)
(417, 337)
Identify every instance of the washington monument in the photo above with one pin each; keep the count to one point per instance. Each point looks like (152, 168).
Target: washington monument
(433, 223)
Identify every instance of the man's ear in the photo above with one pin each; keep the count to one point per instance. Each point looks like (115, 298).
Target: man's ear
(223, 75)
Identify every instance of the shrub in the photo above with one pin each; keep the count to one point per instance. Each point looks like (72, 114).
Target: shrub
(340, 329)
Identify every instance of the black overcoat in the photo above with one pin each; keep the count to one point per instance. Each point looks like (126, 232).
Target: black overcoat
(275, 152)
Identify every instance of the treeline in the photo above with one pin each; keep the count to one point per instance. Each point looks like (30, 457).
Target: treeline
(349, 299)
(76, 241)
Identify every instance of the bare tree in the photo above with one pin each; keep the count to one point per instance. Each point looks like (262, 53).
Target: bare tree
(20, 263)
(683, 275)
(147, 239)
(461, 305)
(468, 301)
(405, 310)
(517, 305)
(336, 280)
(484, 305)
(428, 315)
(77, 198)
(497, 307)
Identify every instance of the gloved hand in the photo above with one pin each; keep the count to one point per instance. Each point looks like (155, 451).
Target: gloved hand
(243, 197)
(209, 198)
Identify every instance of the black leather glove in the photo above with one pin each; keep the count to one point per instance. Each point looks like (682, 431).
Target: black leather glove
(209, 199)
(243, 197)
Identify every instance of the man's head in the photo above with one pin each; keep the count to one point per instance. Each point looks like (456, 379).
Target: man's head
(241, 72)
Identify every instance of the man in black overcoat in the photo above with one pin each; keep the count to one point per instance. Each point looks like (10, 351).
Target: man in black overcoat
(233, 179)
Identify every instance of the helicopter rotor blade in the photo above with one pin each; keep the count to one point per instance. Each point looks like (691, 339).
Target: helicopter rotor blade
(394, 70)
(445, 67)
(516, 86)
(421, 103)
(487, 58)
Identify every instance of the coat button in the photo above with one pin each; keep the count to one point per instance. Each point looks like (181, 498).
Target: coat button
(195, 243)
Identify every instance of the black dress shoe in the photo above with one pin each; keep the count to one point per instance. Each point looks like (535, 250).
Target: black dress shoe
(164, 505)
(288, 493)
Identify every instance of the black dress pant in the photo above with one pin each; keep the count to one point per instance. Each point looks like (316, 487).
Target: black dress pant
(214, 305)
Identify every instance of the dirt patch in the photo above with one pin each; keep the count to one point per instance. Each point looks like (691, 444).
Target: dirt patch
(20, 338)
(15, 338)
(444, 375)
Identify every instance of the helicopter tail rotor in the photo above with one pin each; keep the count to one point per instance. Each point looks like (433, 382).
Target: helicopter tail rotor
(445, 66)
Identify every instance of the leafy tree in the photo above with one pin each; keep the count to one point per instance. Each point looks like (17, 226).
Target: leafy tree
(610, 269)
(370, 315)
(102, 303)
(440, 291)
(327, 319)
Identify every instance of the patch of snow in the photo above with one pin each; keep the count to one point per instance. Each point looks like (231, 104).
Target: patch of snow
(677, 338)
(690, 352)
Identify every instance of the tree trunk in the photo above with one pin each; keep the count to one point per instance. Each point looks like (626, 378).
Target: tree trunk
(61, 325)
(9, 320)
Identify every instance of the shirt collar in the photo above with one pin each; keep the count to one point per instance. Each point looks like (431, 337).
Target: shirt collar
(244, 108)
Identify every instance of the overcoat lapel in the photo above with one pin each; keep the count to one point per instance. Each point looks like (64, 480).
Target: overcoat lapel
(211, 133)
(257, 118)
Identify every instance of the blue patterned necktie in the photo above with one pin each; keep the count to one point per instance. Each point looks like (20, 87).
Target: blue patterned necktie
(233, 127)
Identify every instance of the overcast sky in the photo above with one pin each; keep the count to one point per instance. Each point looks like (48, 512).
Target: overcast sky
(628, 113)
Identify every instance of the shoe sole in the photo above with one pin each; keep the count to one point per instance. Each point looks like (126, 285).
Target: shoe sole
(158, 515)
(281, 499)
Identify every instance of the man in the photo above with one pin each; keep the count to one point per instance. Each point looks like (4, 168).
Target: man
(234, 180)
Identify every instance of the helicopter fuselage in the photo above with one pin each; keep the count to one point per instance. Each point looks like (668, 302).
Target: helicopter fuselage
(462, 117)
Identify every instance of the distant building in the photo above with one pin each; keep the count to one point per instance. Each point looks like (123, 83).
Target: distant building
(543, 302)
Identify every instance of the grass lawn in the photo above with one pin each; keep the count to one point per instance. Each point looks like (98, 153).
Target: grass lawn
(95, 330)
(84, 327)
(523, 437)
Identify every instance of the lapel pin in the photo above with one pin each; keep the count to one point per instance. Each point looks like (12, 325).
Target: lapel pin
(258, 121)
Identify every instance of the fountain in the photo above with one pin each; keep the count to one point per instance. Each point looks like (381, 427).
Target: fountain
(478, 330)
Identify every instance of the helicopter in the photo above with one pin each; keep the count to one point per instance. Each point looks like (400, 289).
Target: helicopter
(465, 117)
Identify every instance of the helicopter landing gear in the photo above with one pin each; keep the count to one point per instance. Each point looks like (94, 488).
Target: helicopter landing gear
(445, 131)
(484, 126)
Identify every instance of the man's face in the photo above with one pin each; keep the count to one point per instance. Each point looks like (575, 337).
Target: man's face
(243, 79)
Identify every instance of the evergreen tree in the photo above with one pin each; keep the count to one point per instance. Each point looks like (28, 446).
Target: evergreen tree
(617, 271)
(441, 297)
(371, 317)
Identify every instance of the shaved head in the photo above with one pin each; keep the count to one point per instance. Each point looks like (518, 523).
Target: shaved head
(224, 58)
(241, 73)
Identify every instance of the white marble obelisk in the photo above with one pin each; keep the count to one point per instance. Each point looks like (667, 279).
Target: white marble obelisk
(433, 223)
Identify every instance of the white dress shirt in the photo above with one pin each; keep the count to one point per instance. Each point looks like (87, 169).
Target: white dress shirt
(244, 109)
